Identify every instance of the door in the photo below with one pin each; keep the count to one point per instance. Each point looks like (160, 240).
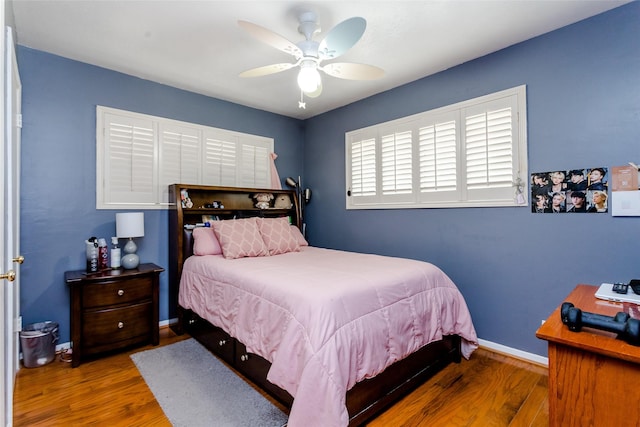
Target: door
(10, 227)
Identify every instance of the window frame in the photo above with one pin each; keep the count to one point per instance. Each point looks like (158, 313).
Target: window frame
(161, 138)
(500, 192)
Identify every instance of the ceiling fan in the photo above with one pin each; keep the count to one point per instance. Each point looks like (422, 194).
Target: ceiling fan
(309, 54)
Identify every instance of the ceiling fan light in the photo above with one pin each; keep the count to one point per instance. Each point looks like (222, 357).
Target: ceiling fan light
(308, 79)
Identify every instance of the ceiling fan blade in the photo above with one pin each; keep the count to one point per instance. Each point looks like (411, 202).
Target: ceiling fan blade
(342, 37)
(316, 93)
(266, 70)
(271, 38)
(351, 71)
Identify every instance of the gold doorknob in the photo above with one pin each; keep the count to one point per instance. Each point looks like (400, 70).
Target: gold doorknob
(9, 275)
(19, 259)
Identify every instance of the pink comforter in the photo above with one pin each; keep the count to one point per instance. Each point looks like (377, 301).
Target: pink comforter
(326, 319)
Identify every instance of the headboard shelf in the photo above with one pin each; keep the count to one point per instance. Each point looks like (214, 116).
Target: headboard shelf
(238, 203)
(253, 211)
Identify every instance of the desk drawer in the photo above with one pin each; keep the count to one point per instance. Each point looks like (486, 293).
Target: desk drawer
(101, 327)
(116, 292)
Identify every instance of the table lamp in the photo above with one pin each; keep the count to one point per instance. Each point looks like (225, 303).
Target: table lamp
(130, 225)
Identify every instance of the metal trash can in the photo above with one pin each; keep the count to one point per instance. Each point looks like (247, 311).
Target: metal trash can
(38, 342)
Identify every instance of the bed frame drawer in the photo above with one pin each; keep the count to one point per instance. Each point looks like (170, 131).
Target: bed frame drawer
(256, 368)
(212, 337)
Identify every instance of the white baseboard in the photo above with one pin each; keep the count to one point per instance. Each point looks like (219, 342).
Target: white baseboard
(513, 352)
(168, 322)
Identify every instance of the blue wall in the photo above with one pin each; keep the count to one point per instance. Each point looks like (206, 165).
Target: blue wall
(58, 168)
(513, 267)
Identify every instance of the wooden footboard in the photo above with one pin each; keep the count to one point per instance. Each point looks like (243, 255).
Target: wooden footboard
(364, 401)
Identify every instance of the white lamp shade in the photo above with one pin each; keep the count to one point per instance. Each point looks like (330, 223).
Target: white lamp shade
(130, 224)
(308, 78)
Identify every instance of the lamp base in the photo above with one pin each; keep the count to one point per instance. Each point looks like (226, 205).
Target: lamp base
(130, 261)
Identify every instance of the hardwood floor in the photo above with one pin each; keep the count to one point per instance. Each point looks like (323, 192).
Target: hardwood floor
(488, 390)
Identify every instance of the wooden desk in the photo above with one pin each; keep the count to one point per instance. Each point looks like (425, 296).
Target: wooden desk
(594, 378)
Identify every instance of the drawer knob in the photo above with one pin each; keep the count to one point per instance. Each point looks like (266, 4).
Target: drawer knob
(120, 292)
(222, 342)
(244, 357)
(120, 325)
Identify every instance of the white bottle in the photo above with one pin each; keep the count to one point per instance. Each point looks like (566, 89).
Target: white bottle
(115, 253)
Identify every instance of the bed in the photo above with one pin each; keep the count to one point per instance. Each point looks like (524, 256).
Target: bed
(336, 336)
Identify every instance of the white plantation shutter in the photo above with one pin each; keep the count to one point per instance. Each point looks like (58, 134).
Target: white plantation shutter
(463, 155)
(139, 156)
(180, 154)
(220, 162)
(129, 170)
(254, 166)
(488, 150)
(438, 157)
(397, 163)
(362, 175)
(493, 153)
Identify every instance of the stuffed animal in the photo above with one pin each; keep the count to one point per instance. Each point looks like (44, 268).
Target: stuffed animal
(283, 201)
(263, 200)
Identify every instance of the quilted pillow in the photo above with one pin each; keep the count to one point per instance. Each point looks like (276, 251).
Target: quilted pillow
(276, 235)
(297, 234)
(240, 238)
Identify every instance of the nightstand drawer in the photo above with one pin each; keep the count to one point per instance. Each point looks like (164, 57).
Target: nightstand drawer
(116, 292)
(118, 324)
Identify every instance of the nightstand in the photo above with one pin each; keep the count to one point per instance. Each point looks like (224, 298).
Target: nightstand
(113, 309)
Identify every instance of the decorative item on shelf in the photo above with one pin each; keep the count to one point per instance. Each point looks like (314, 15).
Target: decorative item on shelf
(283, 201)
(263, 200)
(130, 225)
(209, 218)
(185, 199)
(216, 204)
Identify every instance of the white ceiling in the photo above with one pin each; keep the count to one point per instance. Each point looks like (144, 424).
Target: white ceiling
(198, 45)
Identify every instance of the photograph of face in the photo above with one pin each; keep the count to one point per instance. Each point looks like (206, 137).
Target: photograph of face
(570, 191)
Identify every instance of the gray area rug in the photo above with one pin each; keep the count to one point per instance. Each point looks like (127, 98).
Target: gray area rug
(195, 389)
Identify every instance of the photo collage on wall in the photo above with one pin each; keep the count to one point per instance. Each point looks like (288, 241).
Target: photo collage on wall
(571, 191)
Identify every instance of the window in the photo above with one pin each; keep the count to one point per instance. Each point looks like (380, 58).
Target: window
(469, 154)
(139, 156)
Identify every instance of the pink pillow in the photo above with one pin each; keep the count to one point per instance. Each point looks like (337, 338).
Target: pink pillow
(297, 234)
(276, 235)
(205, 242)
(240, 238)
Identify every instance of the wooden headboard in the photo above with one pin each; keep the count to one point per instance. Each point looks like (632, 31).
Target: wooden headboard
(190, 203)
(187, 243)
